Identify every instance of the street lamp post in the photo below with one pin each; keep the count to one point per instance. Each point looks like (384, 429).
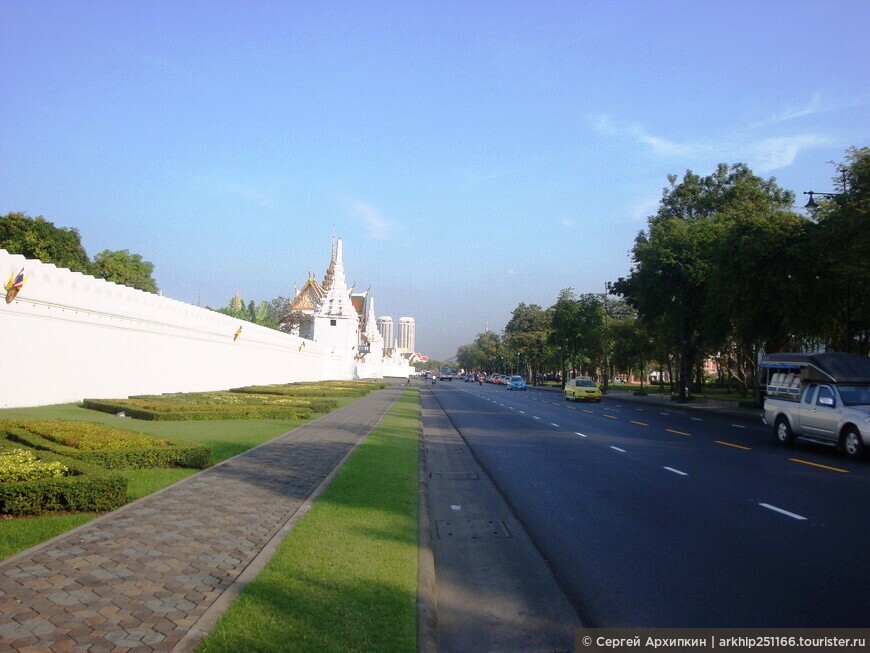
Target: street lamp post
(606, 319)
(812, 207)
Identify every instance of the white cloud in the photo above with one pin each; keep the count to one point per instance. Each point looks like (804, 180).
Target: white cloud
(644, 208)
(817, 104)
(379, 228)
(812, 107)
(634, 131)
(765, 154)
(780, 152)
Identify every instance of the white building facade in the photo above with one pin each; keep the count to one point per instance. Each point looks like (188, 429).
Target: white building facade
(385, 327)
(407, 335)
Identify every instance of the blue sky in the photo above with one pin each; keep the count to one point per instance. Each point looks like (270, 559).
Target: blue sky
(471, 155)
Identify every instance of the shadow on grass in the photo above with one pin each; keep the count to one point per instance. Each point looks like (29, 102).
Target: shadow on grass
(301, 612)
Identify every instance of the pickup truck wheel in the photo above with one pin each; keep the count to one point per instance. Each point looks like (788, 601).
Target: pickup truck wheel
(782, 431)
(853, 446)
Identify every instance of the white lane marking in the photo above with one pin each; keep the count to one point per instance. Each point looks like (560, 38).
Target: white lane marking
(522, 412)
(582, 435)
(617, 449)
(511, 407)
(676, 471)
(781, 511)
(696, 419)
(535, 417)
(554, 424)
(640, 410)
(664, 413)
(738, 426)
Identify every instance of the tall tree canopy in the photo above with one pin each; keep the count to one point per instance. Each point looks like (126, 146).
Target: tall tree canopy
(840, 245)
(124, 268)
(40, 239)
(719, 267)
(37, 238)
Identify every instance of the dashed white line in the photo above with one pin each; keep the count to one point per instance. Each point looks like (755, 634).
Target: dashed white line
(617, 449)
(664, 414)
(522, 412)
(582, 435)
(554, 424)
(676, 471)
(738, 426)
(535, 417)
(782, 512)
(696, 419)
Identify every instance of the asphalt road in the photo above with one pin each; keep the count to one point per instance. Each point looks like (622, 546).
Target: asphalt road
(665, 518)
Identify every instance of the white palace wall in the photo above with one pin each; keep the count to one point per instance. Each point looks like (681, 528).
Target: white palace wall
(68, 336)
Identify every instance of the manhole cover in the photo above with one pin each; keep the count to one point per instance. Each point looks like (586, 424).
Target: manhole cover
(471, 529)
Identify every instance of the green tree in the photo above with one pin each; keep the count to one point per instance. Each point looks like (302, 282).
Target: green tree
(633, 347)
(486, 353)
(577, 330)
(124, 268)
(719, 268)
(841, 250)
(526, 335)
(39, 239)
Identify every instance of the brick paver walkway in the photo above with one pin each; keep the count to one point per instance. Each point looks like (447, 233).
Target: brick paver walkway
(141, 577)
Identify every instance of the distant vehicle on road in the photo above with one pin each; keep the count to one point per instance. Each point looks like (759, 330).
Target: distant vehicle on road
(446, 374)
(516, 382)
(582, 390)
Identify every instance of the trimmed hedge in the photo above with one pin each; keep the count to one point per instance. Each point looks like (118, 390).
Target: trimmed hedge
(200, 412)
(317, 389)
(174, 454)
(84, 488)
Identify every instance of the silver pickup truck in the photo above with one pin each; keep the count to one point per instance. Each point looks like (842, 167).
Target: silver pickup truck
(823, 397)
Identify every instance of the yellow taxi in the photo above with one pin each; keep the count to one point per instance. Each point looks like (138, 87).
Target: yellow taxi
(582, 389)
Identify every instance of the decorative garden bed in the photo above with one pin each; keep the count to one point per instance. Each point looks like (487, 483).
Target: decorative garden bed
(104, 446)
(33, 482)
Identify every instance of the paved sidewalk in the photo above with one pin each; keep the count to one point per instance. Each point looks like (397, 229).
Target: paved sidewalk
(492, 587)
(150, 576)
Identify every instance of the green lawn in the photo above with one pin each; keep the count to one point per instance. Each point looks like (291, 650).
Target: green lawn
(345, 578)
(226, 437)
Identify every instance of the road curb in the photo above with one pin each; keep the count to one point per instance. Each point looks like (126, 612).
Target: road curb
(427, 614)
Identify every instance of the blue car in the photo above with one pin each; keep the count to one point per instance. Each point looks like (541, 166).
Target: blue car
(516, 383)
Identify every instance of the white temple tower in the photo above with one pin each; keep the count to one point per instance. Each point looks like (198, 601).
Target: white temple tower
(336, 322)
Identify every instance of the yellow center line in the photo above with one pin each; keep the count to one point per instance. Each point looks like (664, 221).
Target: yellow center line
(806, 462)
(677, 432)
(610, 416)
(736, 446)
(639, 423)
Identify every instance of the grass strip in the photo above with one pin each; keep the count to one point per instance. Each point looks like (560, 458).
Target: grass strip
(345, 578)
